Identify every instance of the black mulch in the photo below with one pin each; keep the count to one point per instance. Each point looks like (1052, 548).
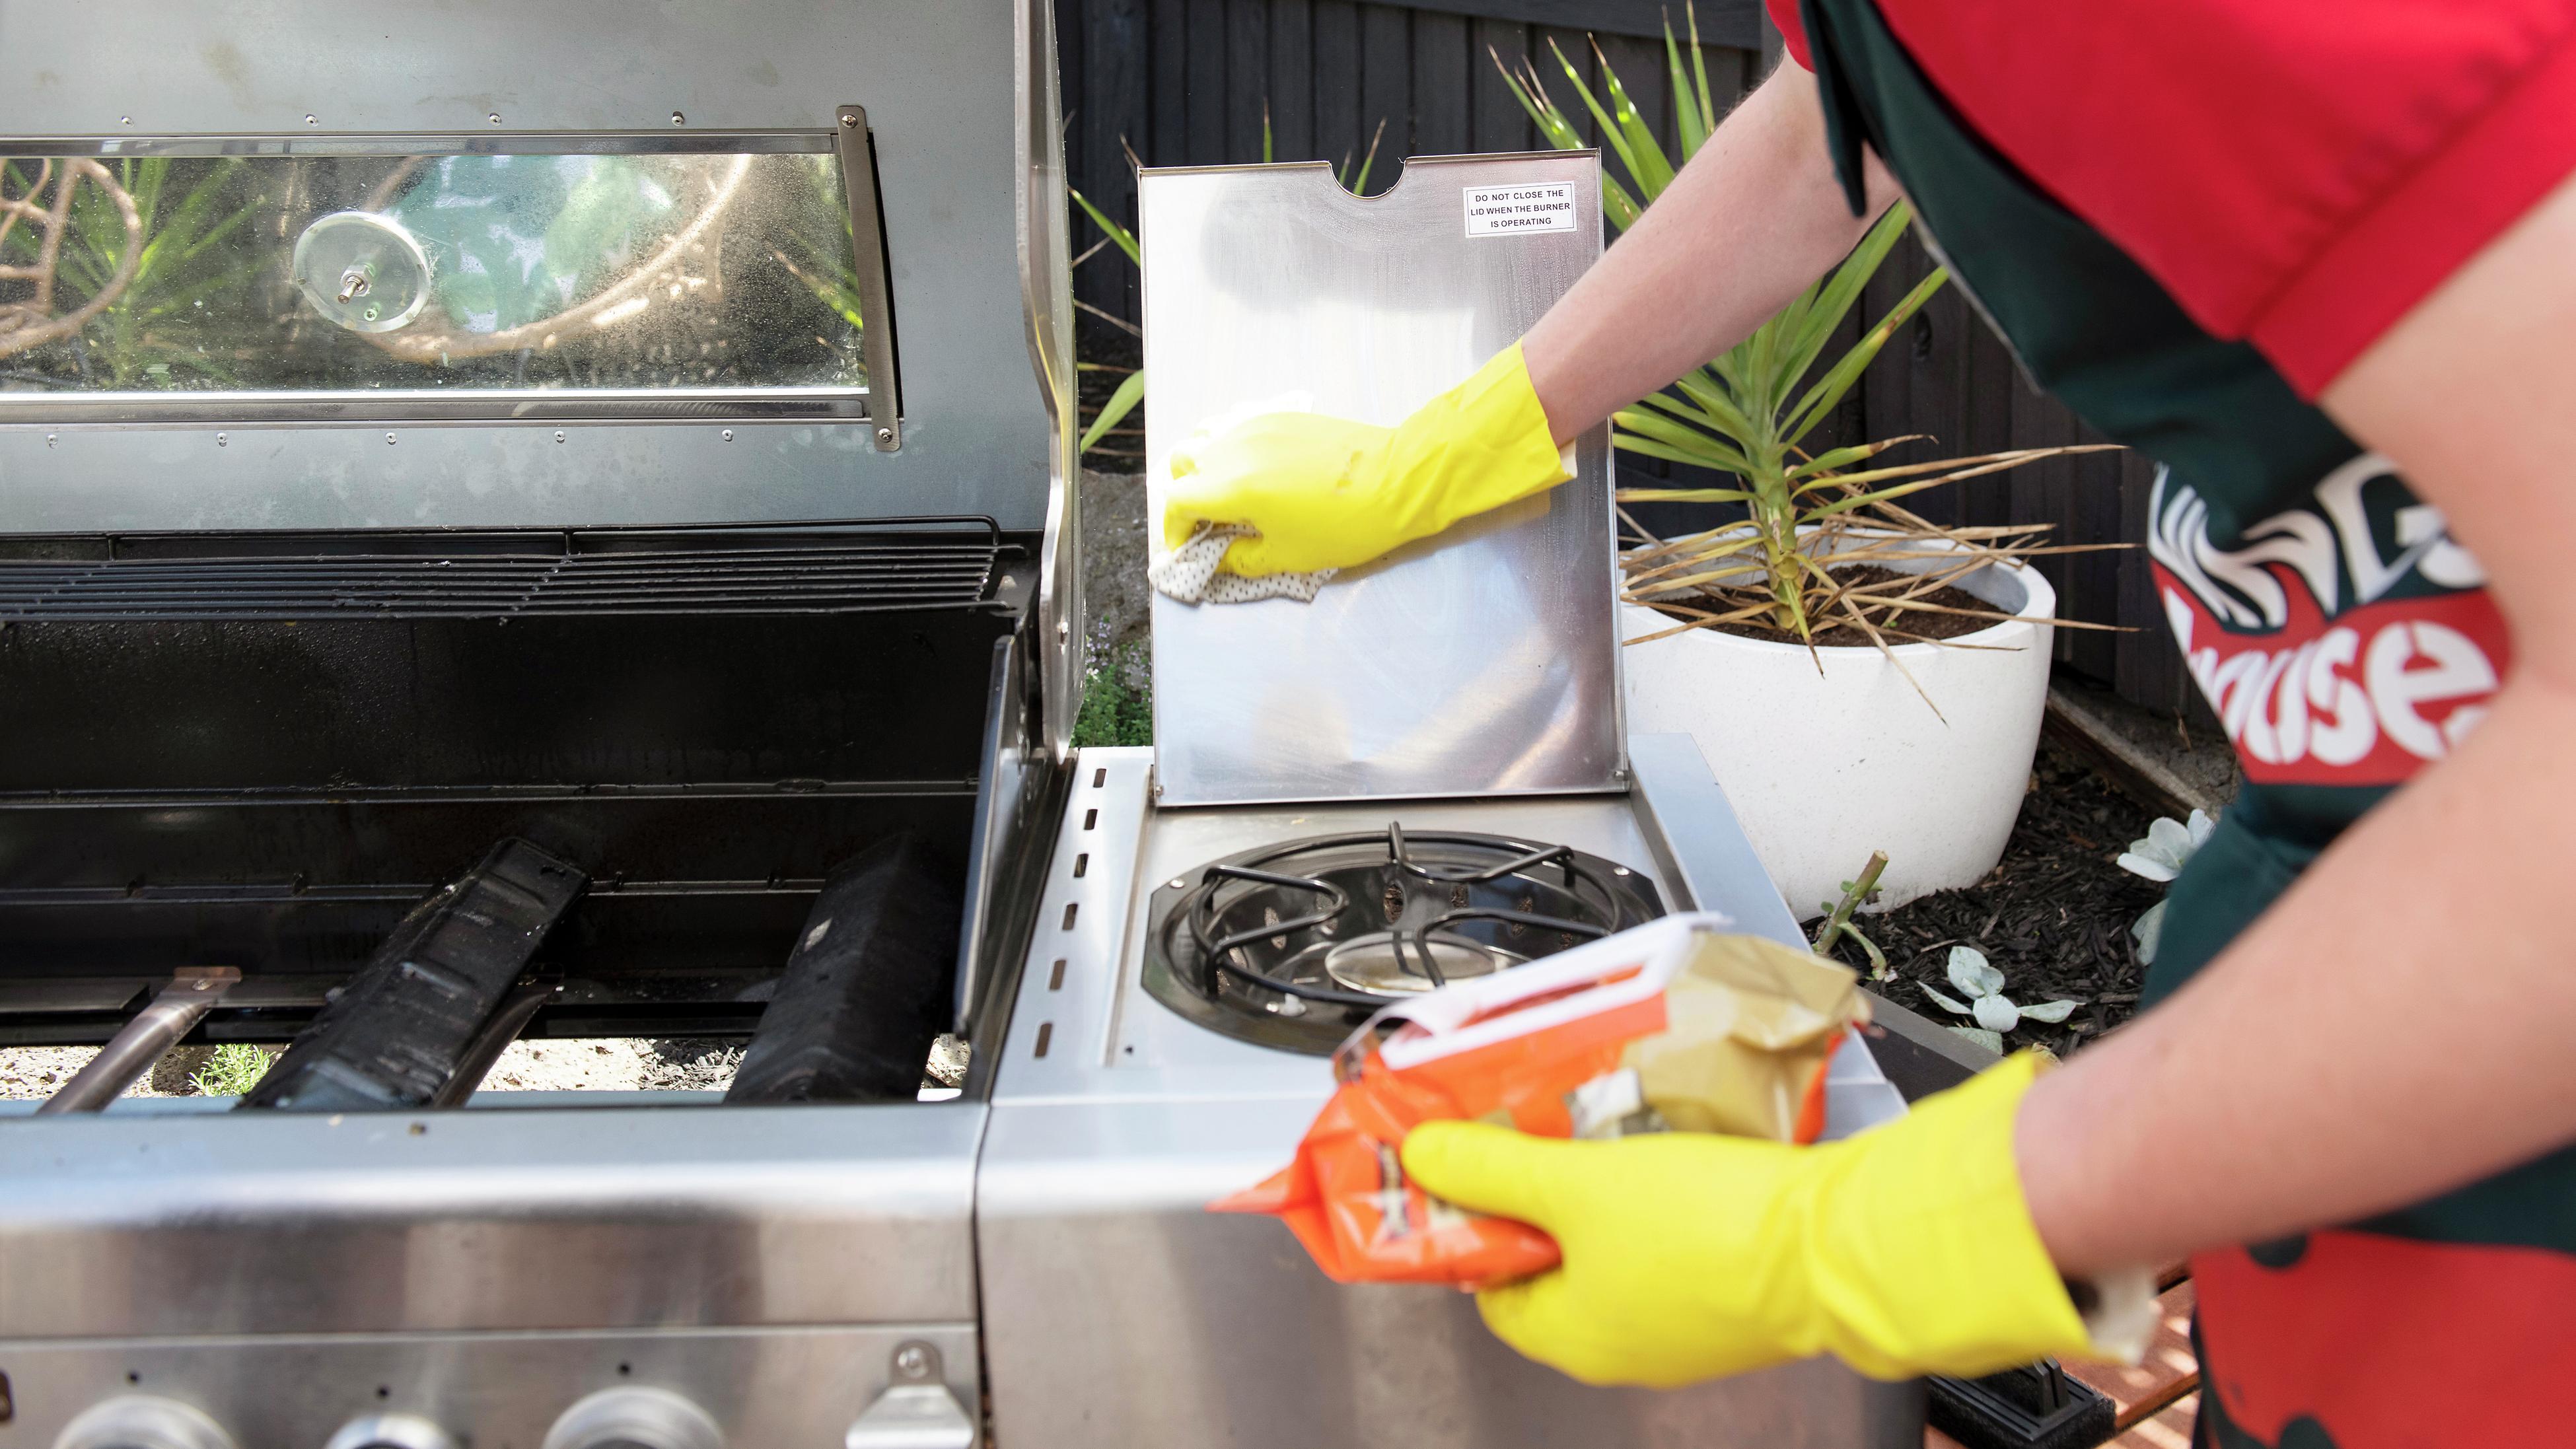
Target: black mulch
(2053, 916)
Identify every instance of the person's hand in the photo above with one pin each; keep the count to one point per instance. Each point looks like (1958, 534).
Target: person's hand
(1903, 1251)
(1329, 493)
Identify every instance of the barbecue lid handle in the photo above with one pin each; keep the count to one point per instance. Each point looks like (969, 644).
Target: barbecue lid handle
(916, 1411)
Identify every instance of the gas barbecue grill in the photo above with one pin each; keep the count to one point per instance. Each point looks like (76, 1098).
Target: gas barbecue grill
(519, 582)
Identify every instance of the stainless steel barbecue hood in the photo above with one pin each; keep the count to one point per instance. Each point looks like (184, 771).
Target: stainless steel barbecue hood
(518, 517)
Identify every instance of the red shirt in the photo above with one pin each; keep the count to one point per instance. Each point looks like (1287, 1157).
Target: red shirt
(2188, 216)
(2299, 173)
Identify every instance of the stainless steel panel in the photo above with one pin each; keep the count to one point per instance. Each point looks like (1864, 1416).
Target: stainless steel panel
(1680, 801)
(149, 1225)
(1058, 1037)
(1010, 783)
(1107, 1039)
(1118, 1312)
(792, 1388)
(1482, 662)
(938, 82)
(1046, 274)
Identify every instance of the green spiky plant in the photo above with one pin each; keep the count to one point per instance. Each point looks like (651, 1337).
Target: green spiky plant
(155, 332)
(1811, 519)
(1131, 389)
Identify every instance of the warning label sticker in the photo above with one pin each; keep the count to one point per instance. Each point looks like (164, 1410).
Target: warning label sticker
(1510, 210)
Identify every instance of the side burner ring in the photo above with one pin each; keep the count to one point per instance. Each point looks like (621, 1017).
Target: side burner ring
(1291, 944)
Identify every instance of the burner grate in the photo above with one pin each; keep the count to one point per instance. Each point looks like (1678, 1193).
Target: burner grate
(1295, 944)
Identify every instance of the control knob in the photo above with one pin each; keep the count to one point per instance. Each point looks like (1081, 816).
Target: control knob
(141, 1421)
(634, 1418)
(392, 1431)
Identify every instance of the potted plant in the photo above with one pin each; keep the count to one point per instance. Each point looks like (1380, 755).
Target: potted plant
(1860, 678)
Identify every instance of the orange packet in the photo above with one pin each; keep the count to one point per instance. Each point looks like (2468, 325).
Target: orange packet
(1579, 1044)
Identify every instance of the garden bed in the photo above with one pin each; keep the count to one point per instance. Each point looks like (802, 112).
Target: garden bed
(2053, 915)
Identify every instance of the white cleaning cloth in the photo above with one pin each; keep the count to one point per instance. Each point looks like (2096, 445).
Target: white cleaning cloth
(1189, 573)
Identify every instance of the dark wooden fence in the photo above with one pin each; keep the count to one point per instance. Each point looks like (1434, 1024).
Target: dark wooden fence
(1188, 82)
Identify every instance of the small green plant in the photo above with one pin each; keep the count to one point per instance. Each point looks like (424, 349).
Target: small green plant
(1117, 699)
(2168, 846)
(232, 1071)
(1810, 520)
(1838, 917)
(1131, 389)
(1983, 985)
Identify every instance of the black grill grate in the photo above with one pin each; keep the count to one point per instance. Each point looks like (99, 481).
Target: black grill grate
(756, 571)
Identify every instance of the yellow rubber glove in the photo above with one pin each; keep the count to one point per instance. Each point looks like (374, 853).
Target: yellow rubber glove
(1905, 1250)
(1330, 493)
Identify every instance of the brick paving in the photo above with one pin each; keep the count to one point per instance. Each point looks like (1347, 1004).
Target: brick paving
(2166, 1373)
(2170, 1429)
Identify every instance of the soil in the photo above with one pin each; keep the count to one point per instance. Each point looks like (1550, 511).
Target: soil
(1914, 621)
(1115, 595)
(615, 1064)
(2053, 916)
(34, 1073)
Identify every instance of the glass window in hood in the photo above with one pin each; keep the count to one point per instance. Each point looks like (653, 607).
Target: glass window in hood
(462, 274)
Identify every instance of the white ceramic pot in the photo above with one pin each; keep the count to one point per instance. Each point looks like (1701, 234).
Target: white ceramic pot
(1824, 768)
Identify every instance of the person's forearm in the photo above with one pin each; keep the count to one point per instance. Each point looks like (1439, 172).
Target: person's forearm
(2393, 1026)
(1754, 219)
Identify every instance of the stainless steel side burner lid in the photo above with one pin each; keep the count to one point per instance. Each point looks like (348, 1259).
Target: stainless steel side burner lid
(1484, 662)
